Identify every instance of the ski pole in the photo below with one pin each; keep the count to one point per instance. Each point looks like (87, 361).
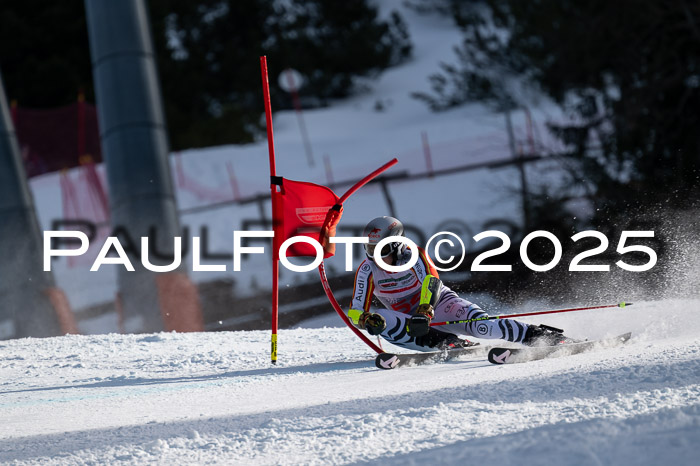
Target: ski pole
(467, 321)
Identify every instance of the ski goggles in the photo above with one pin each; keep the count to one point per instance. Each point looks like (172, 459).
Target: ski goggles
(369, 248)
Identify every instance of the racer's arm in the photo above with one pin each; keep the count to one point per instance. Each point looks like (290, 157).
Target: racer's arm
(429, 293)
(419, 324)
(361, 300)
(424, 266)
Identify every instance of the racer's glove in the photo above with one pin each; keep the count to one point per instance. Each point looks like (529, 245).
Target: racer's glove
(419, 324)
(373, 323)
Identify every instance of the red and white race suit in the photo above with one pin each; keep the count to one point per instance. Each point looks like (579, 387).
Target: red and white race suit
(399, 293)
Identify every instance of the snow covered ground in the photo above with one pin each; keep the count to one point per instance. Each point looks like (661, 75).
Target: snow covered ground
(214, 398)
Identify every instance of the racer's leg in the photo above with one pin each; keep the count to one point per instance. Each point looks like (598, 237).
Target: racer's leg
(397, 334)
(452, 307)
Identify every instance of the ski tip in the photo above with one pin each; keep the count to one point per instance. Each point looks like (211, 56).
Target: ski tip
(625, 304)
(499, 355)
(386, 361)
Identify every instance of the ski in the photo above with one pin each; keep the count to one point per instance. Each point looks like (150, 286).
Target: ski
(523, 354)
(394, 360)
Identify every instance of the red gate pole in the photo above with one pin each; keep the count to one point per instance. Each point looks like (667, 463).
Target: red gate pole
(366, 180)
(275, 209)
(339, 310)
(322, 270)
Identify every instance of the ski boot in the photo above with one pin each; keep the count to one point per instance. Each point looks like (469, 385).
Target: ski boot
(544, 335)
(442, 341)
(454, 342)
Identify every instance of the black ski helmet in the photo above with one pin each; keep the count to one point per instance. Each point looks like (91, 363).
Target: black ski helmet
(380, 228)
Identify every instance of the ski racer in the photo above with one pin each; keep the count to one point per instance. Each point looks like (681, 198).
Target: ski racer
(417, 296)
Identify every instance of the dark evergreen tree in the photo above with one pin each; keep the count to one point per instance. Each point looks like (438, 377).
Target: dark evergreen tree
(211, 72)
(44, 54)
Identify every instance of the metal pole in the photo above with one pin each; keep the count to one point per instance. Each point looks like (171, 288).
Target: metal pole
(25, 308)
(135, 146)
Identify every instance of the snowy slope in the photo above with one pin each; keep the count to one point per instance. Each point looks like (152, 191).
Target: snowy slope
(214, 398)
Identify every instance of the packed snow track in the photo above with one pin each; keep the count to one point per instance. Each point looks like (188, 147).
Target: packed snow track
(215, 398)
